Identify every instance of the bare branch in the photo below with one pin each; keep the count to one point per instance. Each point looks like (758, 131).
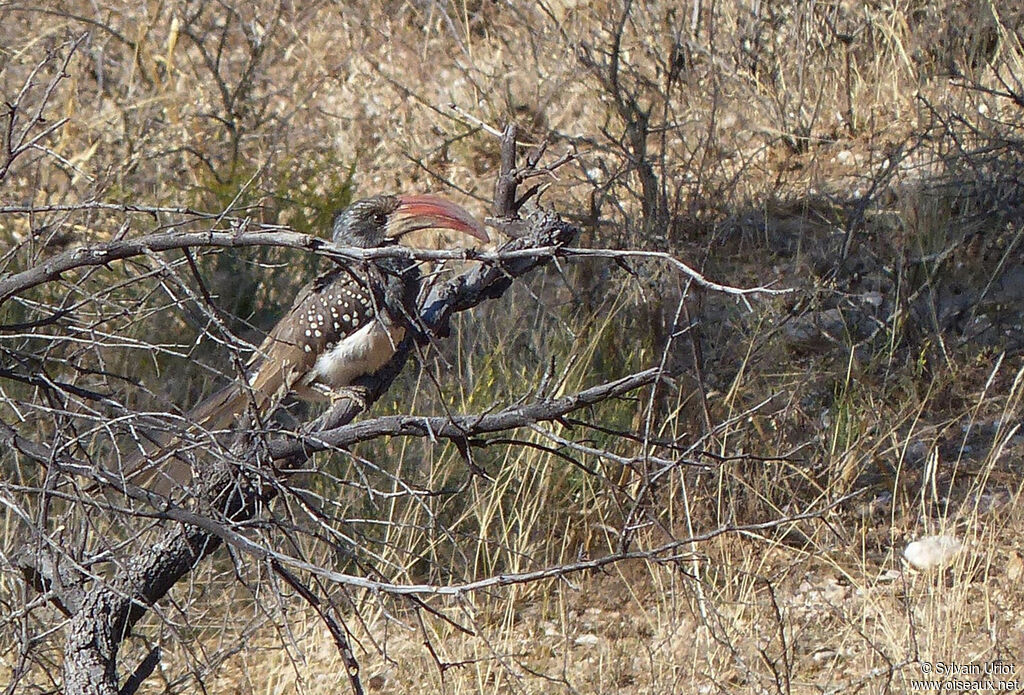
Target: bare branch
(666, 552)
(107, 252)
(110, 611)
(462, 426)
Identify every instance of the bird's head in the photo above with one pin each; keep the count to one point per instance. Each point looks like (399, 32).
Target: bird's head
(384, 219)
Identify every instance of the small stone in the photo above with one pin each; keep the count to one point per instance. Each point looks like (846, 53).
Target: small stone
(1014, 567)
(931, 552)
(889, 575)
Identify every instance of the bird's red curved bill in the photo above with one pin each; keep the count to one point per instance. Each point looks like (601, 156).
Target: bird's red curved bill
(425, 210)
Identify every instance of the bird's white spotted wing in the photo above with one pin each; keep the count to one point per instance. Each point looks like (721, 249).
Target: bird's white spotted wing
(327, 313)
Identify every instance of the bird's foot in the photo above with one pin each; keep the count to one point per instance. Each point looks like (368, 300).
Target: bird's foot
(358, 395)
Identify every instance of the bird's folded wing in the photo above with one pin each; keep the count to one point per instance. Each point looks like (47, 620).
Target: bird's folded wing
(329, 309)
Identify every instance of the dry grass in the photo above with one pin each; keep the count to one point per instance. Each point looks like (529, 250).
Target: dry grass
(830, 149)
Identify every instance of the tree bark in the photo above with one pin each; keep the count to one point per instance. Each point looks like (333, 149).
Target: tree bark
(110, 610)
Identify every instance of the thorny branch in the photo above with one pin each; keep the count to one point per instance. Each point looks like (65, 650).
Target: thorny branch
(108, 252)
(107, 611)
(462, 426)
(666, 552)
(234, 487)
(35, 128)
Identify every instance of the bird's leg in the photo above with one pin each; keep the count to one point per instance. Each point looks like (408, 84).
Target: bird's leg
(359, 395)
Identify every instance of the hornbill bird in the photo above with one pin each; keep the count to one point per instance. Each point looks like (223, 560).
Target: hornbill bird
(345, 324)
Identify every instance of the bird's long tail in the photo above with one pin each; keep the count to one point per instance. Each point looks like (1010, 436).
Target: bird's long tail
(156, 468)
(219, 409)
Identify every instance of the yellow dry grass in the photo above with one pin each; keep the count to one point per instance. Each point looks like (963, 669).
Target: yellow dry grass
(775, 125)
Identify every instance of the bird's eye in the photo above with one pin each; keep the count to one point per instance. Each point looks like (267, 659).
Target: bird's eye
(379, 218)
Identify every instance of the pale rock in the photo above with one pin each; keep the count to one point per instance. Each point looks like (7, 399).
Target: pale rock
(931, 552)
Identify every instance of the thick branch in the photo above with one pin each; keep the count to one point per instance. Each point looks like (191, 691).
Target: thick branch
(225, 494)
(43, 571)
(547, 233)
(104, 253)
(110, 611)
(461, 426)
(536, 241)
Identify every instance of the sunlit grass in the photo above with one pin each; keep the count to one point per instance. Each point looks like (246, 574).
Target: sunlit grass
(764, 151)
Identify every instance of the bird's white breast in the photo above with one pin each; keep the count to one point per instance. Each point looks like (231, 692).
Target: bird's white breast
(356, 355)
